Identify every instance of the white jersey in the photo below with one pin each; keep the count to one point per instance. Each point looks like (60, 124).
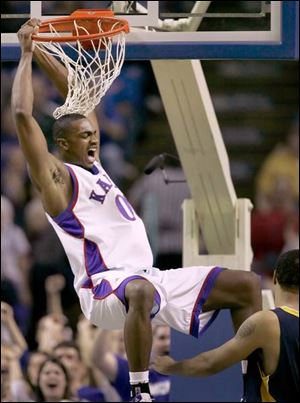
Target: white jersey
(99, 230)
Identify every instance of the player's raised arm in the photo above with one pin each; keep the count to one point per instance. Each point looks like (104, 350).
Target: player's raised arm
(31, 138)
(44, 168)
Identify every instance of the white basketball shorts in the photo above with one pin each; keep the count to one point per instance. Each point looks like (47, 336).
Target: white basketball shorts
(179, 298)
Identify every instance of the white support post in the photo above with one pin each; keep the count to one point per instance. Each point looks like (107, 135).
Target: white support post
(201, 149)
(240, 259)
(224, 220)
(268, 299)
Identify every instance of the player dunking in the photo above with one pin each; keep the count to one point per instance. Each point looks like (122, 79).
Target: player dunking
(105, 240)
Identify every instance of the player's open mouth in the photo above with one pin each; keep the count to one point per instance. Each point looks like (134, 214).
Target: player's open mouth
(91, 155)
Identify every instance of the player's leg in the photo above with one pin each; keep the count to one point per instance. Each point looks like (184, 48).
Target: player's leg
(128, 301)
(237, 290)
(139, 296)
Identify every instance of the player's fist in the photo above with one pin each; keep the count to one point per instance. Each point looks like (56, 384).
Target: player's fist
(25, 33)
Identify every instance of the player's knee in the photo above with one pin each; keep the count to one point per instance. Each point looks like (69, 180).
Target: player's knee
(250, 288)
(140, 294)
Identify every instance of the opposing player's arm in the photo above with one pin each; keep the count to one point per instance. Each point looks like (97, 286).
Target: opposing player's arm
(254, 333)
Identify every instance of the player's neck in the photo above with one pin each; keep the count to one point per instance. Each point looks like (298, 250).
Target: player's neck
(94, 170)
(287, 298)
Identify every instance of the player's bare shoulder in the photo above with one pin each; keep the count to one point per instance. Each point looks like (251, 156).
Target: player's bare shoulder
(262, 327)
(267, 318)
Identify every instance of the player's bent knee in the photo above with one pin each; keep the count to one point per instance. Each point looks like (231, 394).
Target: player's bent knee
(140, 292)
(254, 282)
(251, 288)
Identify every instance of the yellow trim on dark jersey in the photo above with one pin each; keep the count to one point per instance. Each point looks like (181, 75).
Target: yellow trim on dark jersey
(283, 384)
(292, 311)
(264, 388)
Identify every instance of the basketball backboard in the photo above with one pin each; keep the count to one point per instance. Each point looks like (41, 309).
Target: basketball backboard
(180, 30)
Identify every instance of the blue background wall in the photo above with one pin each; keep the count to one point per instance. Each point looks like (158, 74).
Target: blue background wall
(223, 387)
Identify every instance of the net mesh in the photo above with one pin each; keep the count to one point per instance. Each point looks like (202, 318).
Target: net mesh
(92, 66)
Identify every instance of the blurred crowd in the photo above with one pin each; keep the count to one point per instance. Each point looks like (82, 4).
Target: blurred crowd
(89, 365)
(275, 219)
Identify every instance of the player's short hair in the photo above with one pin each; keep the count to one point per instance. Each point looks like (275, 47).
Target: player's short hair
(61, 127)
(287, 269)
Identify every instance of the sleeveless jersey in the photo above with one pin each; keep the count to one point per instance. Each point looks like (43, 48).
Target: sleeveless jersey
(100, 230)
(283, 384)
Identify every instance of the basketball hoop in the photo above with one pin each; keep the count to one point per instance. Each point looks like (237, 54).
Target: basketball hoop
(97, 39)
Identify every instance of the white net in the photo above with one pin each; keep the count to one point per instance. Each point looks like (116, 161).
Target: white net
(90, 72)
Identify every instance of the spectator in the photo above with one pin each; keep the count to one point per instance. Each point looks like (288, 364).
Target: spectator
(13, 347)
(15, 263)
(110, 357)
(274, 223)
(14, 178)
(34, 363)
(54, 284)
(48, 261)
(159, 206)
(10, 332)
(53, 382)
(51, 330)
(160, 384)
(69, 354)
(278, 178)
(86, 335)
(17, 389)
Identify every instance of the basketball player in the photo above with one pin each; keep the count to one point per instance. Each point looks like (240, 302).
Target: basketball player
(272, 337)
(105, 240)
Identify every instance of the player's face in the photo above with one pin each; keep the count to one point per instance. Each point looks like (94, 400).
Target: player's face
(82, 143)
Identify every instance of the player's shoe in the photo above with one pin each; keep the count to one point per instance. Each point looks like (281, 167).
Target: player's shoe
(142, 397)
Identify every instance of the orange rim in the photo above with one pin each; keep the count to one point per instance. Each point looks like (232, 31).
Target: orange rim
(66, 24)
